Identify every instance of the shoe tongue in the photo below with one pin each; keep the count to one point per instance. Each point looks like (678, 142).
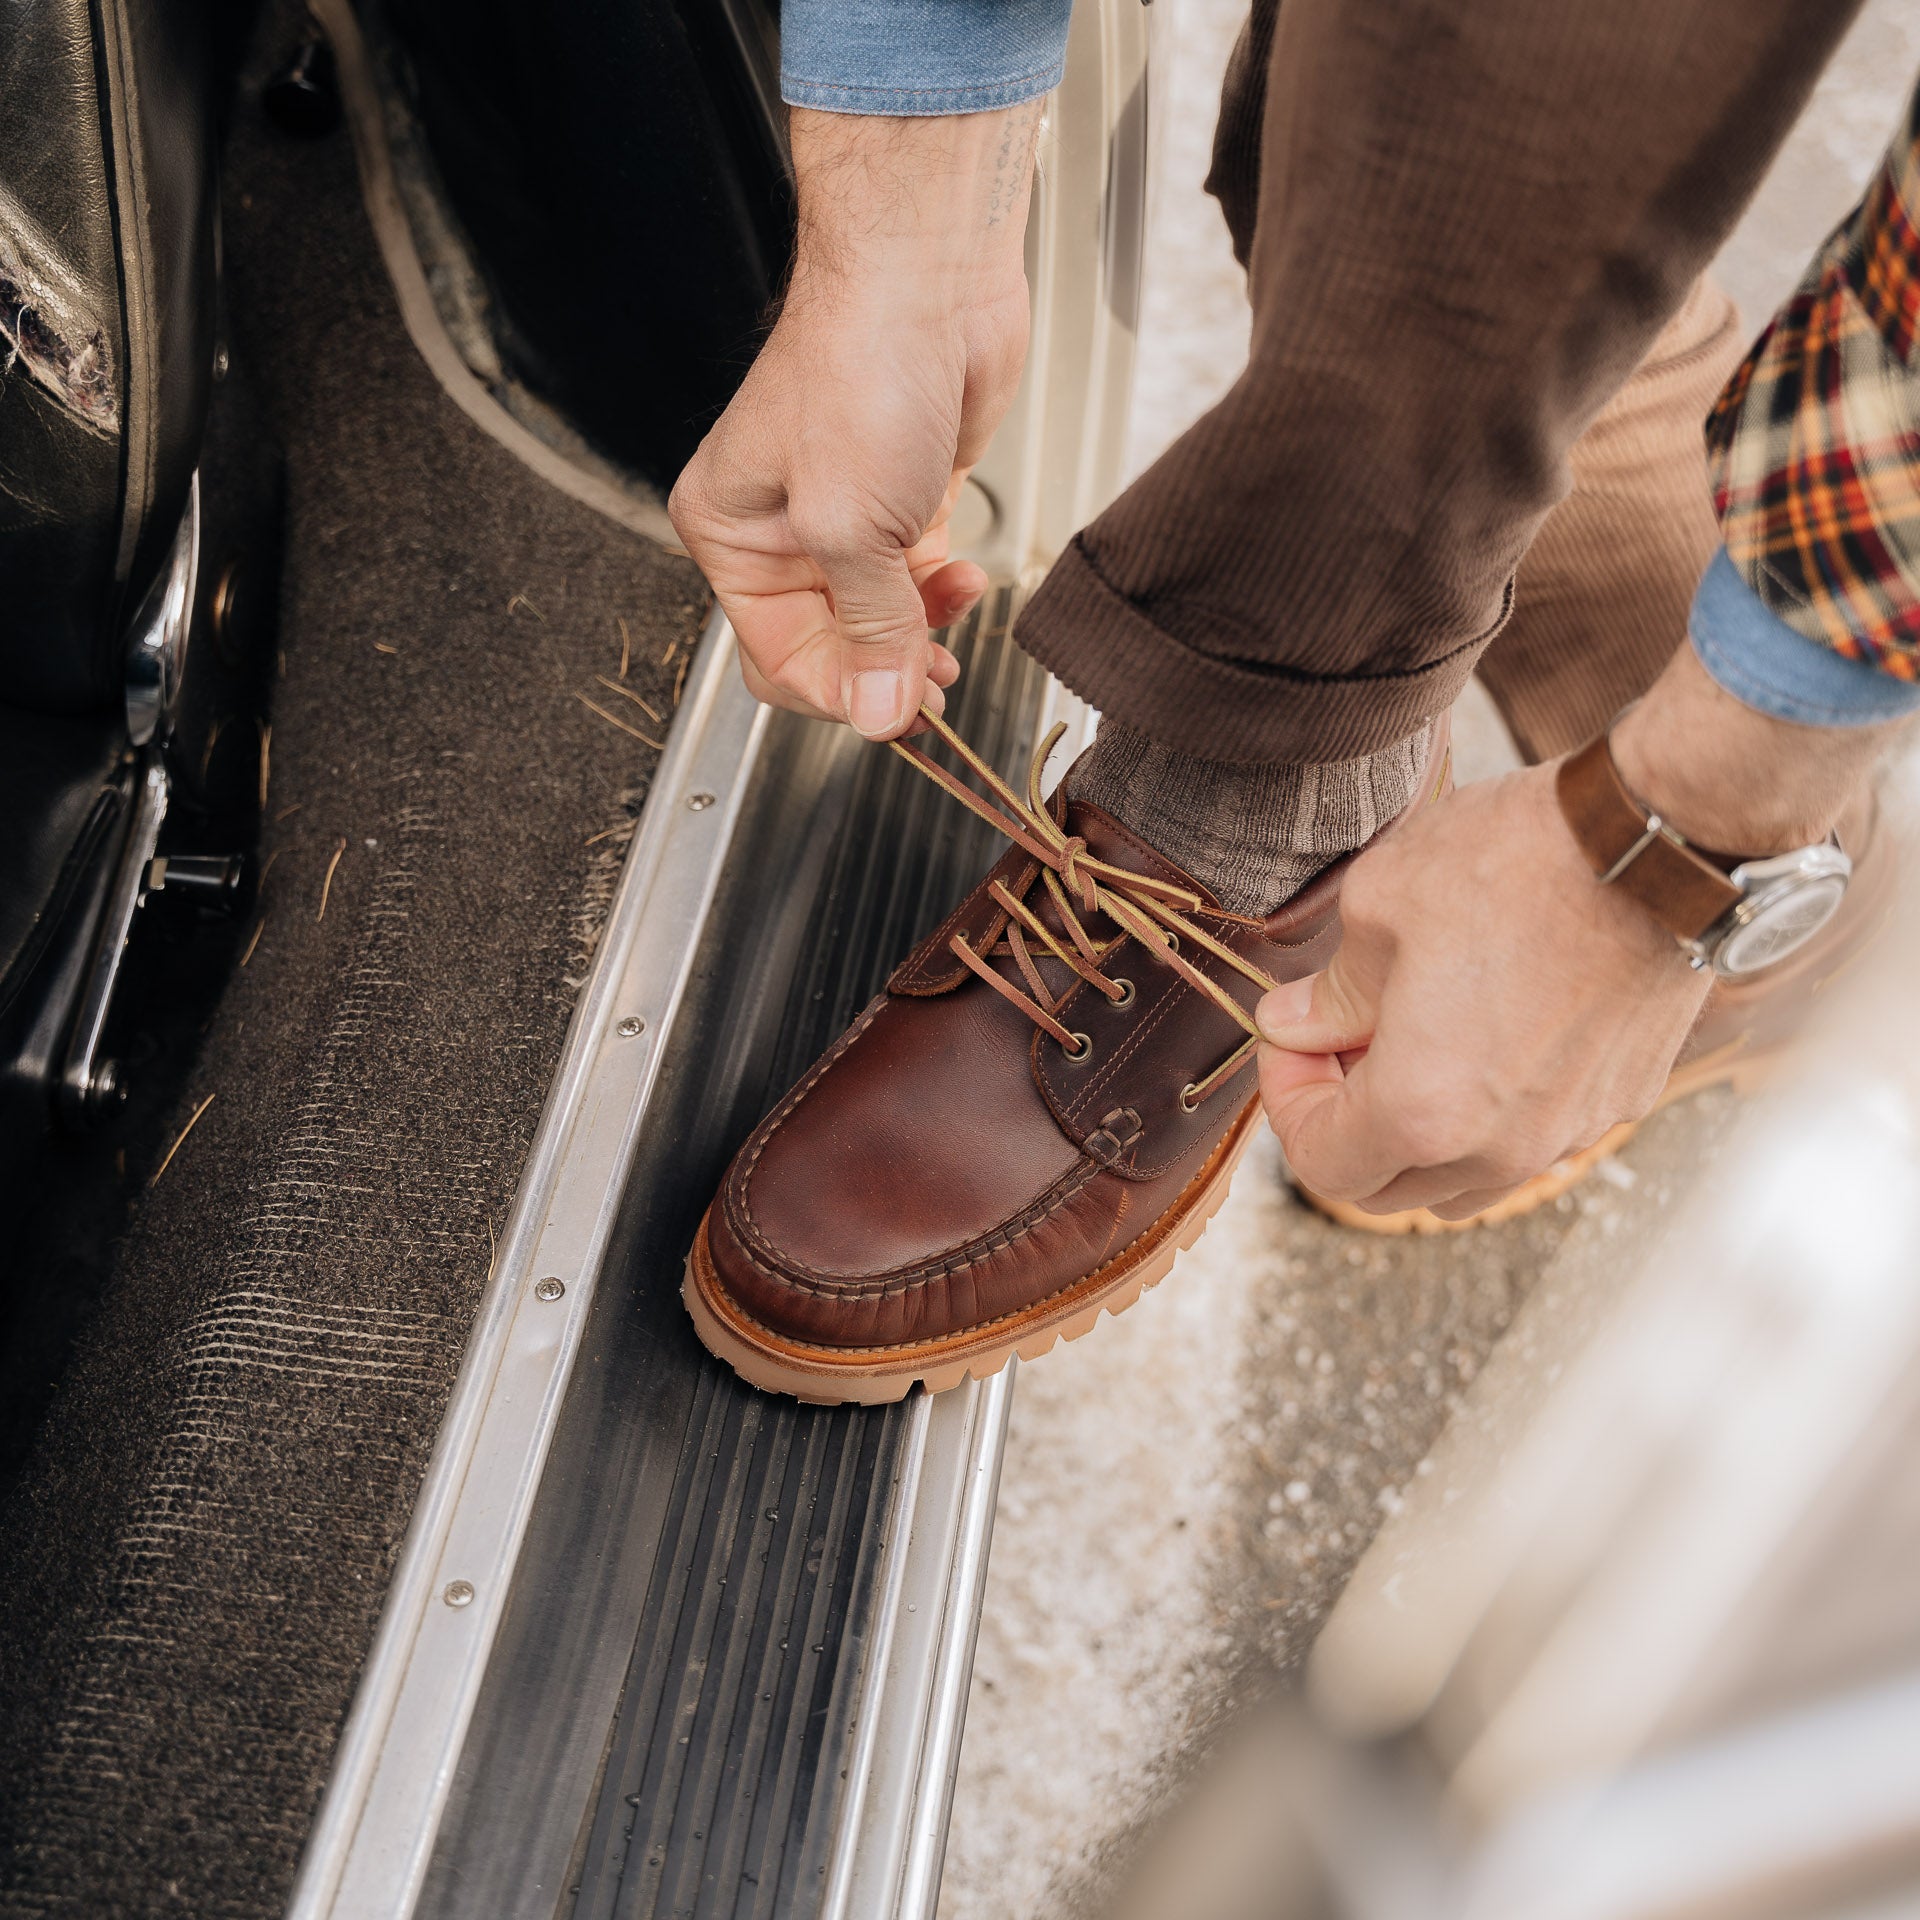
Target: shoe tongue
(1301, 919)
(1108, 841)
(1119, 846)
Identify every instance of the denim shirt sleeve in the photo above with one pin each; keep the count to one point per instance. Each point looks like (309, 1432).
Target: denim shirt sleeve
(920, 56)
(1777, 670)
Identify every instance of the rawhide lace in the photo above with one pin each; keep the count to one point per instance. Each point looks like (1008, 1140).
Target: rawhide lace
(1153, 912)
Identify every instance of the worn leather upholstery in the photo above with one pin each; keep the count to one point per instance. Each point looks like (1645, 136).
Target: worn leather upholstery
(106, 326)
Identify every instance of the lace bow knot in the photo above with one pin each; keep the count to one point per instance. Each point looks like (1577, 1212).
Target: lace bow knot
(1154, 912)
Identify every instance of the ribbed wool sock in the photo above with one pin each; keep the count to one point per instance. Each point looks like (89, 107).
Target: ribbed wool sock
(1254, 834)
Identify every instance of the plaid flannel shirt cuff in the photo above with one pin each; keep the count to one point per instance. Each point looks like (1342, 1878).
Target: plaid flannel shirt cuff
(1814, 444)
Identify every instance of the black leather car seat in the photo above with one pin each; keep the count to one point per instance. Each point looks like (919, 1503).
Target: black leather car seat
(107, 339)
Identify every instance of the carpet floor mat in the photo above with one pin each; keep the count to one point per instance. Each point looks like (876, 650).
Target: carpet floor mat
(197, 1545)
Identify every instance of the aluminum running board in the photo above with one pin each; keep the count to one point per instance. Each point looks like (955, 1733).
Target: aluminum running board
(404, 1735)
(738, 1643)
(663, 1566)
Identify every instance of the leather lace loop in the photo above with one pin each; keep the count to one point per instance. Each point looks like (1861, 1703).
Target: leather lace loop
(1153, 912)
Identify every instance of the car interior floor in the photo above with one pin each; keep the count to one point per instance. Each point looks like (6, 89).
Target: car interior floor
(239, 1354)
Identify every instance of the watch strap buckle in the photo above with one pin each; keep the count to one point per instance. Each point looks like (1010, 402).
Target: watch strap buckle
(1630, 846)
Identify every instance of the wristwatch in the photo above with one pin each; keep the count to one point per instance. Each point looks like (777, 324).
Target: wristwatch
(1735, 916)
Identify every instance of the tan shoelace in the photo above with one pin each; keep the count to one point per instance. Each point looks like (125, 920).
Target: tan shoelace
(1153, 912)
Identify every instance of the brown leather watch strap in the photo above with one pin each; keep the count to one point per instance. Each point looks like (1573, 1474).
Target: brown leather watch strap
(1635, 850)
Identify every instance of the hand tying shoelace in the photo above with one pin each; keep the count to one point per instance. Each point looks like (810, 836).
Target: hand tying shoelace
(964, 1175)
(1153, 912)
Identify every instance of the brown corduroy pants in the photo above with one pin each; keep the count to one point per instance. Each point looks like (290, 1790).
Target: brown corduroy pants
(1474, 232)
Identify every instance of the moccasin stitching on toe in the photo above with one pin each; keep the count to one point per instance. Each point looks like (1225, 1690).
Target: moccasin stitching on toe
(1044, 1105)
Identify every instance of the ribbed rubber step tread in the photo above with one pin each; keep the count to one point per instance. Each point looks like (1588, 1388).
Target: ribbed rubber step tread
(748, 1531)
(734, 1670)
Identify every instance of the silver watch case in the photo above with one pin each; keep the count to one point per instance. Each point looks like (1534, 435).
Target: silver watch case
(1788, 899)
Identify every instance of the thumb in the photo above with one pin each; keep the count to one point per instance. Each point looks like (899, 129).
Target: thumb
(1320, 1099)
(882, 624)
(1329, 1012)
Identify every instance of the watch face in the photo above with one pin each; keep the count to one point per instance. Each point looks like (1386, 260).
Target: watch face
(1777, 923)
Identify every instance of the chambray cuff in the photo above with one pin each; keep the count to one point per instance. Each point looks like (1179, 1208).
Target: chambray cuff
(1762, 661)
(906, 57)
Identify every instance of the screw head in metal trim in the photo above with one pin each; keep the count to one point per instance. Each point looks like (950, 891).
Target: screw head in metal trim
(632, 1027)
(549, 1288)
(699, 802)
(106, 1090)
(458, 1593)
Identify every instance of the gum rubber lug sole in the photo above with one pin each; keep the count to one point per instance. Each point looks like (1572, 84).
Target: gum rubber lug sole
(1529, 1197)
(1730, 1065)
(826, 1376)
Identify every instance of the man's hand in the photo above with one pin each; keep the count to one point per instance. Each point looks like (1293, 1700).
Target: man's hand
(817, 507)
(1492, 1007)
(1496, 1008)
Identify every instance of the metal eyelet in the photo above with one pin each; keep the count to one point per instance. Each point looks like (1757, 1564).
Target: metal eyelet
(1187, 1102)
(1124, 998)
(1173, 939)
(1080, 1055)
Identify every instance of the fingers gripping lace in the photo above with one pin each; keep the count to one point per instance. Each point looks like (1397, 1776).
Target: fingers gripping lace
(1153, 912)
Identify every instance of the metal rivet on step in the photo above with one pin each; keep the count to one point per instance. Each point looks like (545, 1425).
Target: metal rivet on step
(699, 802)
(632, 1027)
(549, 1288)
(458, 1593)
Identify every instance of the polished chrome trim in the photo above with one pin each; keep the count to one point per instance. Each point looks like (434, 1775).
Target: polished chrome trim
(85, 1080)
(370, 1845)
(950, 1676)
(893, 1825)
(157, 650)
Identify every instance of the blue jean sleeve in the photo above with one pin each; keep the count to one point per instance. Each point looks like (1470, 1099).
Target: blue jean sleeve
(1777, 670)
(920, 56)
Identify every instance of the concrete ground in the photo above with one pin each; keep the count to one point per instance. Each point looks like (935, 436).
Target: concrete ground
(1187, 1488)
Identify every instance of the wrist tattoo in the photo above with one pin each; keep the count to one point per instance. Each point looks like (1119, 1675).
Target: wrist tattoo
(881, 181)
(1012, 163)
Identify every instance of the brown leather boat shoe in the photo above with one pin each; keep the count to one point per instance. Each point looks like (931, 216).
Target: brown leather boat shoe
(1043, 1108)
(1745, 1034)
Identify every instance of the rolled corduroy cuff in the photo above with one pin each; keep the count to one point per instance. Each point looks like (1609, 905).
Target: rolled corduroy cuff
(1114, 656)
